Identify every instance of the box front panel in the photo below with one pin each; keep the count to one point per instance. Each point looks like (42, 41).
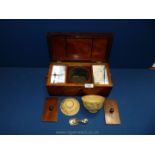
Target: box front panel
(77, 90)
(70, 87)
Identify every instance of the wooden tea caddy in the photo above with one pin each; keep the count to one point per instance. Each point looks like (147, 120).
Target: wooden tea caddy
(78, 52)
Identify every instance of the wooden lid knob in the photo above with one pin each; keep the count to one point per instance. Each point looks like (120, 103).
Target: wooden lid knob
(51, 108)
(111, 110)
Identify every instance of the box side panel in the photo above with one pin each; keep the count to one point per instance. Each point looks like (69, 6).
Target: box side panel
(77, 90)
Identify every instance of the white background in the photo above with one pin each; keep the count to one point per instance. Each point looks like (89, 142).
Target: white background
(74, 9)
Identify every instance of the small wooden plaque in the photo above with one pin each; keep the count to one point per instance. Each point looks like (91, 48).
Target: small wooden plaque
(111, 112)
(50, 113)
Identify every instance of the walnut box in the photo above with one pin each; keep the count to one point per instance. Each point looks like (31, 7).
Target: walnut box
(79, 64)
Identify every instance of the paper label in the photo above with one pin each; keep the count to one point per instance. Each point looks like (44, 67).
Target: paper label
(89, 85)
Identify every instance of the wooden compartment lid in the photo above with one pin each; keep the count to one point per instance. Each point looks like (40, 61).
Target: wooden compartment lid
(76, 46)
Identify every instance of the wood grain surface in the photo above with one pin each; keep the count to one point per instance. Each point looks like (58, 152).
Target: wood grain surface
(86, 47)
(111, 112)
(50, 112)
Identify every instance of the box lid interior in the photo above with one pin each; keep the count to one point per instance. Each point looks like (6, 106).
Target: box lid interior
(84, 47)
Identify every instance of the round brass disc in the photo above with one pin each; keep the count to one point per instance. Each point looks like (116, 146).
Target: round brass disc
(70, 106)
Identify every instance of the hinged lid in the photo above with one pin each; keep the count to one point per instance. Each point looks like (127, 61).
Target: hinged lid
(89, 47)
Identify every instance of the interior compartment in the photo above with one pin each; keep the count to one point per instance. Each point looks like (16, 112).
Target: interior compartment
(79, 74)
(100, 74)
(58, 74)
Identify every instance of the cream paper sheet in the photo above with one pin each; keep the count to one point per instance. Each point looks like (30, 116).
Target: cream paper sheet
(100, 74)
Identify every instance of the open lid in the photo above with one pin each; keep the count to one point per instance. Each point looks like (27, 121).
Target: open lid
(89, 47)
